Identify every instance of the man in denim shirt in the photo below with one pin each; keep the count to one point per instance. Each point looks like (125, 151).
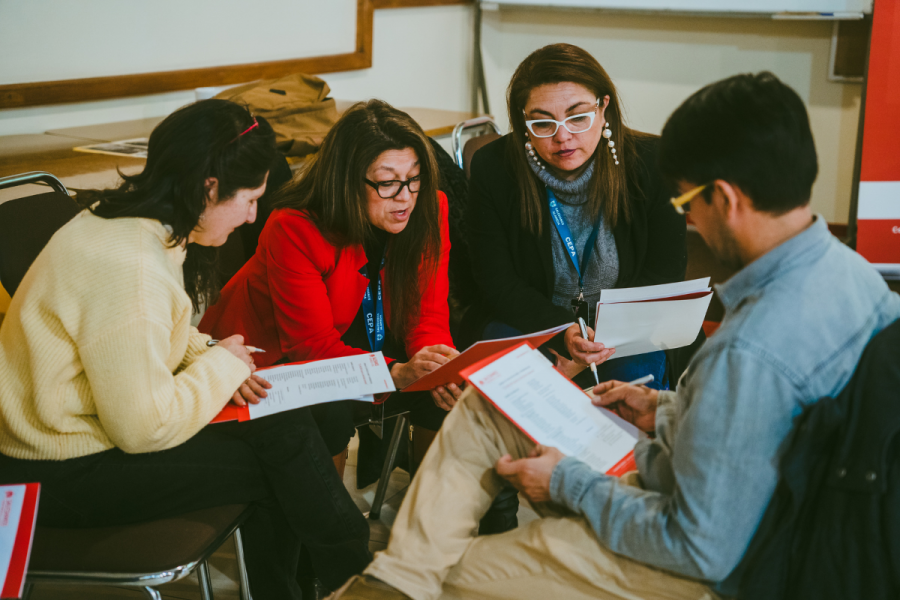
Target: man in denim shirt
(798, 315)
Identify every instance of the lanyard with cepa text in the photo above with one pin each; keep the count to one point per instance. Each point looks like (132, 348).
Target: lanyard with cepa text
(374, 314)
(559, 219)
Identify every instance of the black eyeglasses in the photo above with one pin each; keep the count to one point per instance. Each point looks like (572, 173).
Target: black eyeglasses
(390, 189)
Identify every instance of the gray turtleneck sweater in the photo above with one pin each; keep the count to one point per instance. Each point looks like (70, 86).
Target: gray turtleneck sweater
(603, 268)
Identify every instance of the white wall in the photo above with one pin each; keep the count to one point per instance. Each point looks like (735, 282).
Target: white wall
(421, 57)
(103, 38)
(657, 61)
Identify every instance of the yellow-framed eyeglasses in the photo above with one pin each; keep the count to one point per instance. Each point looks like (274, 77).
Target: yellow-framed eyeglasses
(681, 203)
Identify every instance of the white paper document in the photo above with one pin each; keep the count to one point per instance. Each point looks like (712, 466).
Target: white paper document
(646, 319)
(552, 411)
(356, 377)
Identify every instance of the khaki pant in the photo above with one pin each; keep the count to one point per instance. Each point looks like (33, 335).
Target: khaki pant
(433, 551)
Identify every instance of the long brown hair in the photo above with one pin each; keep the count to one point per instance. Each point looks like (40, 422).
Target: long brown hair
(560, 63)
(332, 191)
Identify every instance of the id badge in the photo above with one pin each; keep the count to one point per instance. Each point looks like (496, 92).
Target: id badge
(580, 308)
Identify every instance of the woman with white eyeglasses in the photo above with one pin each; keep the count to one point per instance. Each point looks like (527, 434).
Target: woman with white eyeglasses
(569, 203)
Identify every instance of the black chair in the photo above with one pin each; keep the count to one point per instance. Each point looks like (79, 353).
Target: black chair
(141, 555)
(27, 224)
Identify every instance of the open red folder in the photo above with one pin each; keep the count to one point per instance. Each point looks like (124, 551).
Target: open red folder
(539, 419)
(451, 372)
(18, 515)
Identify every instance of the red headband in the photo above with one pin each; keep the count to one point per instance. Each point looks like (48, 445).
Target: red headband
(251, 128)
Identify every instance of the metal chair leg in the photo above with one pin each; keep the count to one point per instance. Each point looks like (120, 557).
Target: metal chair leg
(206, 592)
(242, 566)
(152, 593)
(388, 467)
(411, 453)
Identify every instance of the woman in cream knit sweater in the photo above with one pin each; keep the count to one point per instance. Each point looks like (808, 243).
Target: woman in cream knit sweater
(106, 391)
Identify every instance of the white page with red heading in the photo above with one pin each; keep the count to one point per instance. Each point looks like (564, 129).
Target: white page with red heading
(553, 411)
(18, 514)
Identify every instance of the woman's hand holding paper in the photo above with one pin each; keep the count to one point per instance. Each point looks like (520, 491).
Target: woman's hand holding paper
(251, 391)
(424, 362)
(583, 351)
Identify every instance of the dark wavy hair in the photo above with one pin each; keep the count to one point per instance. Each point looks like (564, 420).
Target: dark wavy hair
(332, 192)
(559, 63)
(198, 141)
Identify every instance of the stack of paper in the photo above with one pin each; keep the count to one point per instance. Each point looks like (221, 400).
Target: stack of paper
(296, 385)
(18, 514)
(552, 411)
(656, 317)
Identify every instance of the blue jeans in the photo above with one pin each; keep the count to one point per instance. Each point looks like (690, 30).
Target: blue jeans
(619, 369)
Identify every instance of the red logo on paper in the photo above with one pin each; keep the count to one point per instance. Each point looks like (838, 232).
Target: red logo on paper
(373, 359)
(9, 494)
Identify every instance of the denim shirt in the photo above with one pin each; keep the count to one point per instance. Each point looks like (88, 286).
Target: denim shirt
(797, 320)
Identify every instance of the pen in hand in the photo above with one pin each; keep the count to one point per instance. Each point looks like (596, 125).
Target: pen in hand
(584, 334)
(249, 348)
(641, 380)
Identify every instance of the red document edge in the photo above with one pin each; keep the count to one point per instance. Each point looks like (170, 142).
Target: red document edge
(18, 563)
(689, 296)
(625, 464)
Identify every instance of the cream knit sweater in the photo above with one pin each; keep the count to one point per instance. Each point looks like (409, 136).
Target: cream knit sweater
(97, 349)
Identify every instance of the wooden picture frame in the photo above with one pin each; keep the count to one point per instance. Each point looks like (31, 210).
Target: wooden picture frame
(42, 93)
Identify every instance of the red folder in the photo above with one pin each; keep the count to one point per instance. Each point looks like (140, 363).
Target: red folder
(626, 464)
(452, 371)
(21, 530)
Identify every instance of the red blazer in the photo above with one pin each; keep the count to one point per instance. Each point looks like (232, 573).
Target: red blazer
(298, 295)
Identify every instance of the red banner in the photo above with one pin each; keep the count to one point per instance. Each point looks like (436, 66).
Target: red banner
(878, 209)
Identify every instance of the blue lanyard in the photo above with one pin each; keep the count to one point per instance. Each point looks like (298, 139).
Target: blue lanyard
(559, 219)
(374, 314)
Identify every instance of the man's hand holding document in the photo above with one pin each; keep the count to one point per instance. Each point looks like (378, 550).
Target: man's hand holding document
(647, 319)
(552, 411)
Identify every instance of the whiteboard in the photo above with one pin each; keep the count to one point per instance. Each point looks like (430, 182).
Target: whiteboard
(712, 6)
(47, 40)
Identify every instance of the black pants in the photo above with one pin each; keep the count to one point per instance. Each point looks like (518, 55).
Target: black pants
(279, 462)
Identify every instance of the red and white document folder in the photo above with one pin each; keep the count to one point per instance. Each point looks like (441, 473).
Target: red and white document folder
(296, 385)
(552, 411)
(450, 372)
(656, 317)
(18, 514)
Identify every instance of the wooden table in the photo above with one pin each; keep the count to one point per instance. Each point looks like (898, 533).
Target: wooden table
(52, 151)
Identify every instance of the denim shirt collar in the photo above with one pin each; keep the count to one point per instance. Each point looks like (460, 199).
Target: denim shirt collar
(798, 250)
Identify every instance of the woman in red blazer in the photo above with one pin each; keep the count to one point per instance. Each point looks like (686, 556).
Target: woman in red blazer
(353, 260)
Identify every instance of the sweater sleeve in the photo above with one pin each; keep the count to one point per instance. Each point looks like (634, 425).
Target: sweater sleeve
(300, 301)
(196, 346)
(141, 404)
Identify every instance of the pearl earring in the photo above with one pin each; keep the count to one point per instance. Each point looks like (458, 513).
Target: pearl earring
(607, 133)
(532, 154)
